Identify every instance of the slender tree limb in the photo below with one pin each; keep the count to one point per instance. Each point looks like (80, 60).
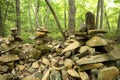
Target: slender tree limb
(56, 19)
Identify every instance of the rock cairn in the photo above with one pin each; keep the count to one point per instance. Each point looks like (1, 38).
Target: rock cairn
(83, 56)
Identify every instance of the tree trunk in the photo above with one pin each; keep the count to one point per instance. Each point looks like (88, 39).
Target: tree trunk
(118, 25)
(0, 19)
(118, 30)
(47, 17)
(56, 19)
(97, 15)
(102, 13)
(18, 16)
(107, 19)
(1, 24)
(42, 19)
(36, 13)
(72, 10)
(65, 24)
(31, 25)
(6, 11)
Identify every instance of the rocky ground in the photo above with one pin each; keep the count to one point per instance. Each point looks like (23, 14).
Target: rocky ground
(84, 56)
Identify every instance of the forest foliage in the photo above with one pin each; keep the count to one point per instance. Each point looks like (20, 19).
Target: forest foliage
(34, 13)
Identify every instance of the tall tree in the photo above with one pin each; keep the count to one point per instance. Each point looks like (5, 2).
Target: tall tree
(18, 16)
(72, 11)
(2, 31)
(37, 12)
(31, 24)
(102, 13)
(118, 30)
(1, 25)
(6, 11)
(97, 14)
(65, 24)
(100, 9)
(56, 19)
(47, 16)
(106, 16)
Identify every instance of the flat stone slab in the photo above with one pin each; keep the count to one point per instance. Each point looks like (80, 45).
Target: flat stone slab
(9, 58)
(110, 73)
(84, 75)
(84, 49)
(73, 73)
(68, 63)
(73, 46)
(113, 55)
(30, 77)
(55, 75)
(3, 69)
(46, 75)
(96, 41)
(64, 74)
(90, 66)
(2, 77)
(96, 31)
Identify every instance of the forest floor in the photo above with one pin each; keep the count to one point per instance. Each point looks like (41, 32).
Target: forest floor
(85, 56)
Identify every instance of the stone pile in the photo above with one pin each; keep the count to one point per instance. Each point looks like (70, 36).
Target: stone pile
(83, 56)
(13, 54)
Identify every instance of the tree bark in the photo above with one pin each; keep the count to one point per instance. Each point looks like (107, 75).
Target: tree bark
(65, 24)
(47, 16)
(2, 30)
(118, 30)
(6, 11)
(1, 25)
(118, 25)
(107, 19)
(72, 10)
(31, 25)
(102, 13)
(56, 19)
(97, 14)
(18, 16)
(42, 19)
(36, 13)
